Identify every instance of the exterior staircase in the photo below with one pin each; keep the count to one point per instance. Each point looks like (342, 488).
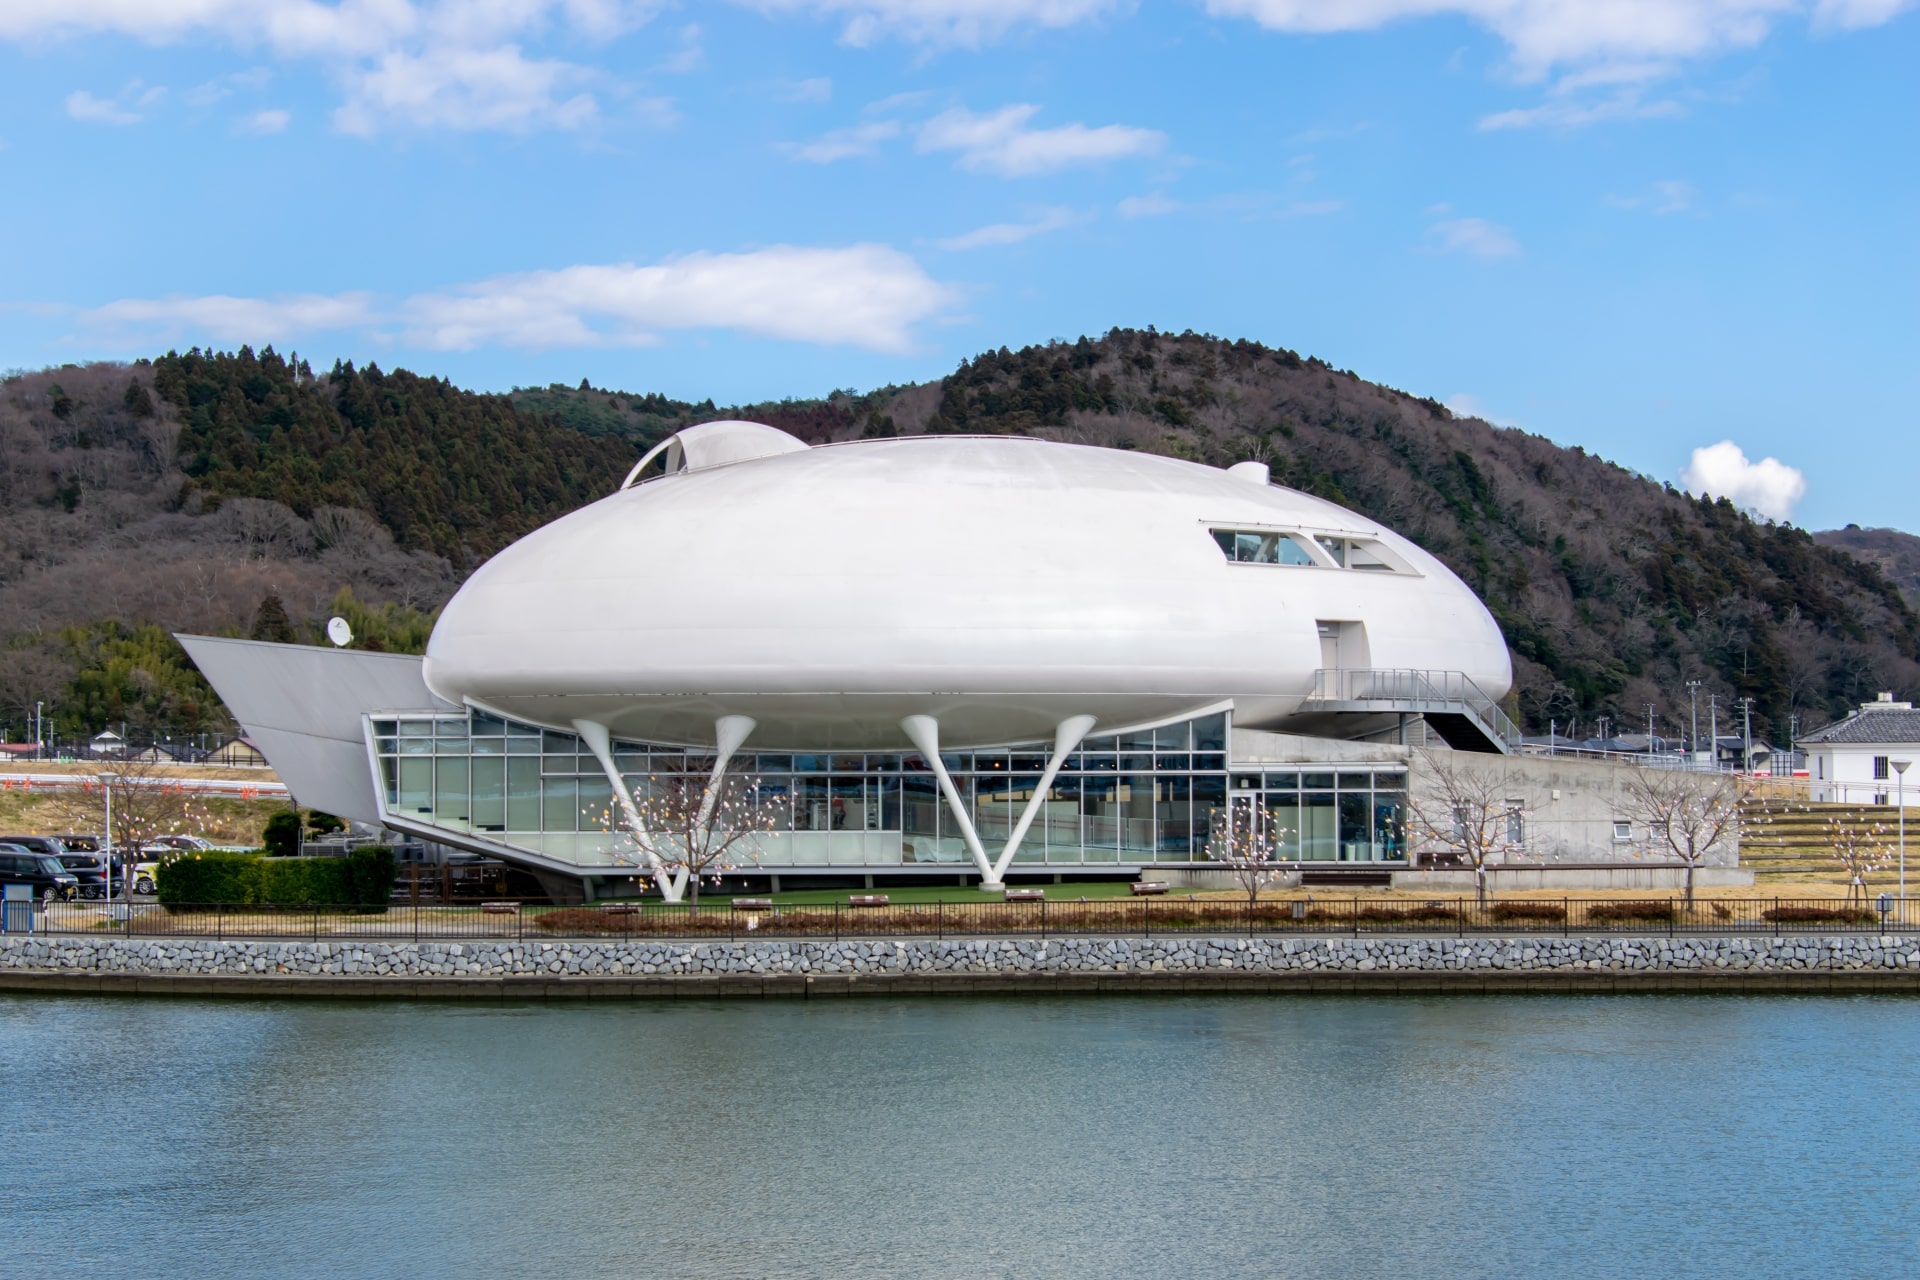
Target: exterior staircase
(1452, 705)
(1784, 843)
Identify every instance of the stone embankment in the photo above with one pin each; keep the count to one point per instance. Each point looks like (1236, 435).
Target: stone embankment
(643, 968)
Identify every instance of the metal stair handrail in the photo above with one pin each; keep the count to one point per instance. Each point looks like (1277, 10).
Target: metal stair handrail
(1406, 685)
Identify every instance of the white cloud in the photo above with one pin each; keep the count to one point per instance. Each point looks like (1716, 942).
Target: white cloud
(465, 89)
(1566, 113)
(1147, 206)
(968, 23)
(1005, 233)
(1001, 143)
(229, 319)
(1768, 487)
(1543, 34)
(1664, 198)
(863, 295)
(82, 105)
(262, 123)
(1474, 236)
(816, 89)
(845, 144)
(401, 63)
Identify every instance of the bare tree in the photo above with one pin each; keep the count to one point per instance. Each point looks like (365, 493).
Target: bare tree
(147, 803)
(1687, 815)
(686, 827)
(1860, 847)
(1244, 839)
(1469, 813)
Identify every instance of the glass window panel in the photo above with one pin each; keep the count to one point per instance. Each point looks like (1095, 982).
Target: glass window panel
(387, 746)
(1136, 764)
(450, 807)
(1029, 764)
(920, 818)
(1283, 782)
(849, 764)
(997, 797)
(889, 790)
(1210, 733)
(1100, 744)
(596, 804)
(957, 762)
(416, 784)
(1099, 764)
(559, 804)
(776, 796)
(883, 764)
(1059, 821)
(390, 773)
(1225, 539)
(1318, 827)
(1389, 825)
(812, 804)
(1246, 782)
(1210, 760)
(523, 746)
(1173, 762)
(523, 793)
(1173, 815)
(809, 764)
(567, 766)
(416, 746)
(486, 746)
(384, 727)
(416, 728)
(1283, 819)
(1209, 798)
(990, 762)
(773, 764)
(1317, 781)
(1336, 547)
(1133, 801)
(489, 793)
(631, 760)
(1356, 827)
(1142, 741)
(1290, 552)
(1100, 818)
(482, 725)
(848, 809)
(1174, 737)
(559, 744)
(1351, 781)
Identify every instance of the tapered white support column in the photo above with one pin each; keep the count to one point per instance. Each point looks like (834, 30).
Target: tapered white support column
(728, 733)
(924, 733)
(600, 742)
(1066, 736)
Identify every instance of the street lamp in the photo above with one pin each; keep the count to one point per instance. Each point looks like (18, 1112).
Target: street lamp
(106, 864)
(1900, 772)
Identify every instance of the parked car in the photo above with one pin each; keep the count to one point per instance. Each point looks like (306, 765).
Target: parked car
(90, 870)
(168, 845)
(78, 843)
(50, 881)
(144, 874)
(52, 846)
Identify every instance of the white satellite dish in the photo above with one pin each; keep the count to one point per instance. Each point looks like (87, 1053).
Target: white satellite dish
(339, 632)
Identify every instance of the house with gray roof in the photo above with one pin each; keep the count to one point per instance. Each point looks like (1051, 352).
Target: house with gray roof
(1861, 759)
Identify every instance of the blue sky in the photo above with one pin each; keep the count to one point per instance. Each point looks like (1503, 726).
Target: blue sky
(1648, 227)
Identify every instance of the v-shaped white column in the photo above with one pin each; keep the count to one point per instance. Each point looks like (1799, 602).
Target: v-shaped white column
(924, 733)
(600, 742)
(1066, 736)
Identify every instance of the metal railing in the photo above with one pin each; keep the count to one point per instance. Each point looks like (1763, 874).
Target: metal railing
(1148, 917)
(1416, 690)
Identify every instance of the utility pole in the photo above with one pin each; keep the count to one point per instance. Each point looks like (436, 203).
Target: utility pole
(1649, 730)
(1746, 736)
(1713, 729)
(1693, 717)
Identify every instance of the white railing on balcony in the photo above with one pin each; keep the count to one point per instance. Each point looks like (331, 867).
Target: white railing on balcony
(1414, 690)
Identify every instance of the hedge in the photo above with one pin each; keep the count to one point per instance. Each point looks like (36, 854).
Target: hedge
(362, 880)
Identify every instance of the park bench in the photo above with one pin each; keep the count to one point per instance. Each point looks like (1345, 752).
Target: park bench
(499, 908)
(1026, 895)
(619, 908)
(1141, 888)
(867, 900)
(753, 904)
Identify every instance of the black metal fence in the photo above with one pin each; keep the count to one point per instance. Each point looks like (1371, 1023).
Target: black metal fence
(1148, 917)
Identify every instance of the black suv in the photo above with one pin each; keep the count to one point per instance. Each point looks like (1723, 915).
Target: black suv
(94, 882)
(49, 879)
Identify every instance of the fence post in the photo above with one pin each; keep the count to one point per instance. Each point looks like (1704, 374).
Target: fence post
(1673, 917)
(1566, 917)
(1043, 919)
(940, 920)
(520, 924)
(836, 920)
(1460, 915)
(416, 917)
(219, 922)
(316, 922)
(1249, 917)
(1146, 916)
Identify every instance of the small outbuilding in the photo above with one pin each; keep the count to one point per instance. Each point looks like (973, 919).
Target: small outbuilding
(1861, 759)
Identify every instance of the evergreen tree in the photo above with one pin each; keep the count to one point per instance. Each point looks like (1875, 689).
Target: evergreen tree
(271, 621)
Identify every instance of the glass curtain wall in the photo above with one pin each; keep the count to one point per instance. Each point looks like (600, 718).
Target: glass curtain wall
(1132, 798)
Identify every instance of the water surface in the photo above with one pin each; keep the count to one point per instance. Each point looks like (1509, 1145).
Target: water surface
(1148, 1136)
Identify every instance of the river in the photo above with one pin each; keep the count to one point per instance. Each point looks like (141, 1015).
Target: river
(965, 1137)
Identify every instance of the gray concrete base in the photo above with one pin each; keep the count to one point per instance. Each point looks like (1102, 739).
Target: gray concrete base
(1623, 875)
(1208, 878)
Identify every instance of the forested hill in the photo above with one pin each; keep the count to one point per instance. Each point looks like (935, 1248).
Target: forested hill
(243, 493)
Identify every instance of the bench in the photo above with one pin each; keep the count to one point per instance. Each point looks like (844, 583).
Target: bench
(1141, 888)
(499, 908)
(753, 904)
(867, 900)
(1026, 895)
(619, 908)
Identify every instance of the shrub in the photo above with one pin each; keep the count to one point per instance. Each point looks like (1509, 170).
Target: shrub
(1819, 915)
(1605, 911)
(1390, 915)
(281, 836)
(1529, 911)
(362, 879)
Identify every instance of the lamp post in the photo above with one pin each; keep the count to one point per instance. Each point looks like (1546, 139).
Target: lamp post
(106, 861)
(1900, 772)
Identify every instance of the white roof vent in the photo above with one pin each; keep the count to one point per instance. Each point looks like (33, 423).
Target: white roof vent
(1252, 473)
(716, 444)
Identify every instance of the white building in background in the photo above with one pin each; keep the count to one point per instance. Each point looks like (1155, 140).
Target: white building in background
(934, 655)
(1859, 760)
